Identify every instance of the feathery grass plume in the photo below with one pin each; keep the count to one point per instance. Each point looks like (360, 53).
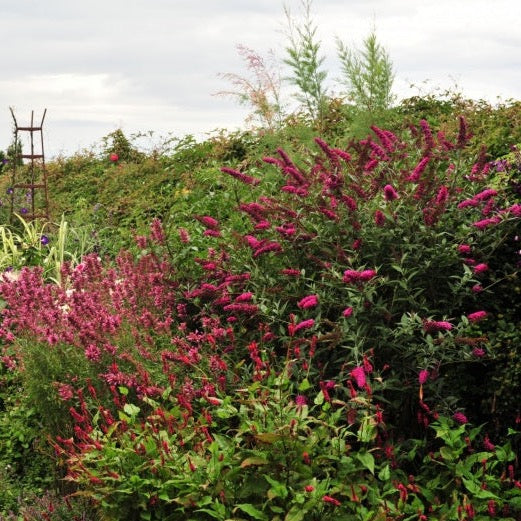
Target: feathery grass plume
(261, 91)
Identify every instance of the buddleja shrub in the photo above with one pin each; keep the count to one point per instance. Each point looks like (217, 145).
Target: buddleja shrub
(273, 382)
(391, 246)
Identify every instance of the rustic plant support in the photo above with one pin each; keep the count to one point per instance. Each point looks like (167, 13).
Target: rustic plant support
(34, 179)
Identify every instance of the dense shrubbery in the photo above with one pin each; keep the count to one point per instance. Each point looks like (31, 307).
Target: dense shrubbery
(305, 337)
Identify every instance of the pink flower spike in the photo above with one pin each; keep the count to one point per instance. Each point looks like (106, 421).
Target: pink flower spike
(423, 376)
(246, 179)
(464, 249)
(460, 418)
(477, 288)
(366, 275)
(347, 312)
(300, 400)
(305, 324)
(432, 326)
(477, 316)
(358, 374)
(390, 193)
(332, 500)
(478, 352)
(480, 268)
(485, 223)
(379, 218)
(308, 302)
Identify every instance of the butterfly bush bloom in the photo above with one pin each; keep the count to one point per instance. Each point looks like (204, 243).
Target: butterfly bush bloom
(246, 179)
(419, 169)
(478, 352)
(379, 218)
(485, 223)
(331, 500)
(305, 324)
(308, 302)
(347, 312)
(390, 193)
(460, 418)
(423, 376)
(291, 272)
(352, 276)
(477, 316)
(480, 268)
(358, 373)
(432, 326)
(300, 401)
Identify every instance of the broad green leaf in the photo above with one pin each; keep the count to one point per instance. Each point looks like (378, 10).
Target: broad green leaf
(252, 511)
(304, 385)
(131, 409)
(277, 489)
(296, 513)
(385, 473)
(254, 461)
(319, 398)
(267, 437)
(367, 460)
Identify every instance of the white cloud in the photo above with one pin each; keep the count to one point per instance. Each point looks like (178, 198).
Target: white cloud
(153, 64)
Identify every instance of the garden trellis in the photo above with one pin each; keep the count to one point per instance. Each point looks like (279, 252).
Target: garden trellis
(30, 177)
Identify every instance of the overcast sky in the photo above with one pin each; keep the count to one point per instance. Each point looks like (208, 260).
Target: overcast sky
(144, 65)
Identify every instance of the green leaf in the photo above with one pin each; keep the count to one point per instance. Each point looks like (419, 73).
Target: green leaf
(385, 473)
(304, 385)
(254, 461)
(319, 398)
(296, 513)
(131, 409)
(267, 437)
(447, 453)
(252, 511)
(277, 489)
(367, 460)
